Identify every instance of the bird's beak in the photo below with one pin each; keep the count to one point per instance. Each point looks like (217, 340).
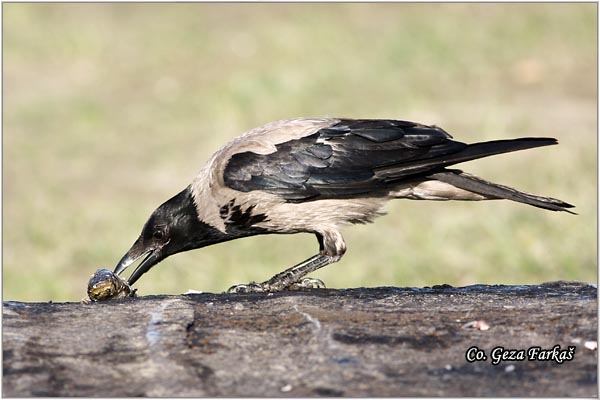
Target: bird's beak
(137, 251)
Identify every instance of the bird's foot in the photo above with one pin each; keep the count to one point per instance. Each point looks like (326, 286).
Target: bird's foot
(253, 287)
(307, 283)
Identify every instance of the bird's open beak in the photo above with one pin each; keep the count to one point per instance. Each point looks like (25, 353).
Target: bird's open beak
(137, 251)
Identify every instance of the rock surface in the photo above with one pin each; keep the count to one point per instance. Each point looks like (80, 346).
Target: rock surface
(357, 342)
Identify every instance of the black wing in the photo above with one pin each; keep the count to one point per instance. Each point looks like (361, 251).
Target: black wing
(354, 157)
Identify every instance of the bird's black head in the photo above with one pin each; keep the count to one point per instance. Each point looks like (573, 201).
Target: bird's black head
(172, 228)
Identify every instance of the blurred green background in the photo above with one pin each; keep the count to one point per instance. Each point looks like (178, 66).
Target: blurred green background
(110, 109)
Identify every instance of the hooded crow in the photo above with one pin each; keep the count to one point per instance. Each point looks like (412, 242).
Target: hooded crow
(317, 175)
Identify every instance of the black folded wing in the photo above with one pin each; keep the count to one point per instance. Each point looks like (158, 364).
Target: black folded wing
(355, 157)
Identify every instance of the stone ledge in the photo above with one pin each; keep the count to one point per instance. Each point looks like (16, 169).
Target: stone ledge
(375, 342)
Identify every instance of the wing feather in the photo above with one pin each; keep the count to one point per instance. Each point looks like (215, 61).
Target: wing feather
(355, 157)
(337, 161)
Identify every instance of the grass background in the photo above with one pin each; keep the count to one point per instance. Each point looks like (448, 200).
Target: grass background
(110, 109)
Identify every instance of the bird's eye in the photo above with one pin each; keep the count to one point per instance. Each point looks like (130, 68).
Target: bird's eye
(158, 234)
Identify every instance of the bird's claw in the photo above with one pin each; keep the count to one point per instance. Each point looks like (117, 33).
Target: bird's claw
(307, 283)
(253, 287)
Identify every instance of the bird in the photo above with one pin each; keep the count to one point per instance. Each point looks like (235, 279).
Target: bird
(318, 175)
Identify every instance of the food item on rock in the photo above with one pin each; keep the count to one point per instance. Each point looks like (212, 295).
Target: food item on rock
(106, 285)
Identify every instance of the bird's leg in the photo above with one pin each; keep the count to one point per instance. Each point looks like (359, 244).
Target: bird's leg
(332, 248)
(292, 276)
(287, 279)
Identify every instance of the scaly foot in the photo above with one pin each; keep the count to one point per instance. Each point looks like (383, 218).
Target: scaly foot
(253, 287)
(307, 283)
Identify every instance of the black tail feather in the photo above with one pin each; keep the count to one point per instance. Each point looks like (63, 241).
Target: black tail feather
(471, 152)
